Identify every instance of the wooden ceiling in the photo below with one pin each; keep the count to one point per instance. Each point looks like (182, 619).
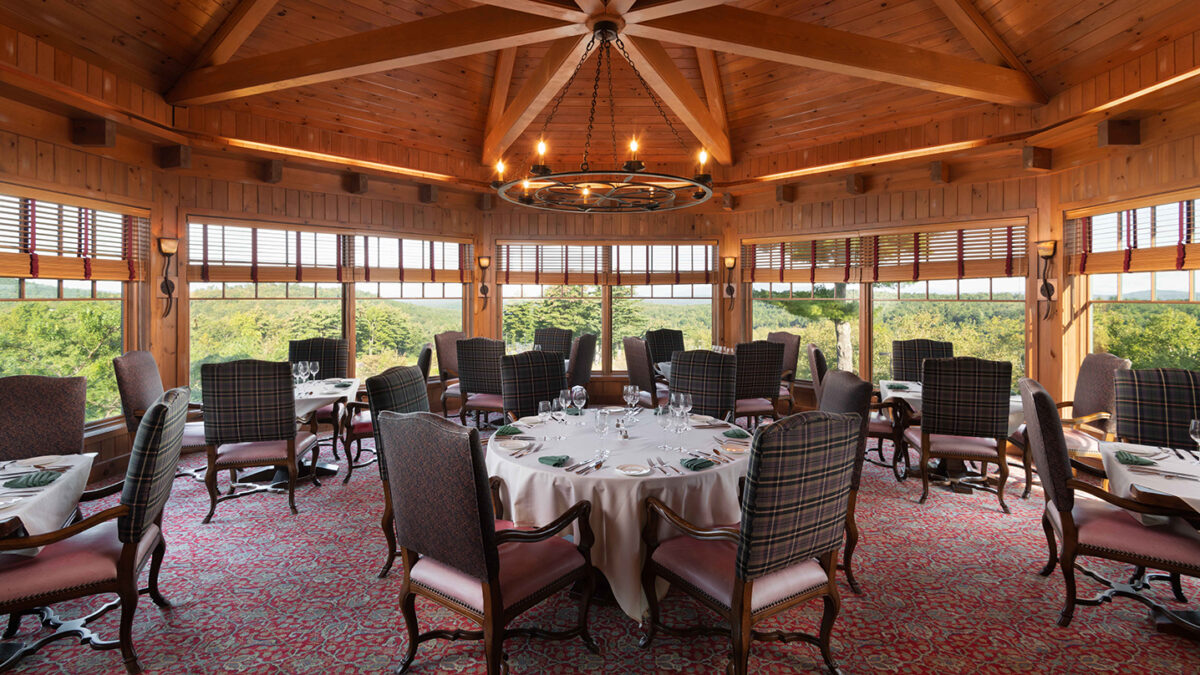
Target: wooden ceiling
(770, 103)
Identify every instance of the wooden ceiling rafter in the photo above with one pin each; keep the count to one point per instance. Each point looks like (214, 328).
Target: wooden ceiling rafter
(501, 80)
(550, 10)
(714, 93)
(984, 39)
(238, 26)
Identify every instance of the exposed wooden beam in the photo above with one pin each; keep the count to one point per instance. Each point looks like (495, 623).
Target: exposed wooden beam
(1036, 159)
(772, 38)
(590, 7)
(447, 36)
(977, 31)
(619, 6)
(672, 87)
(542, 84)
(667, 8)
(1119, 132)
(501, 79)
(714, 94)
(95, 132)
(549, 10)
(238, 26)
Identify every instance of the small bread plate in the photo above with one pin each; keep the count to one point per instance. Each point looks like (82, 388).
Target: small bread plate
(44, 460)
(634, 470)
(702, 419)
(734, 449)
(529, 421)
(511, 445)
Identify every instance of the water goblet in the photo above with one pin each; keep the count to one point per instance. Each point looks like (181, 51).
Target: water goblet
(302, 369)
(543, 411)
(1194, 431)
(665, 419)
(564, 401)
(579, 396)
(601, 424)
(314, 367)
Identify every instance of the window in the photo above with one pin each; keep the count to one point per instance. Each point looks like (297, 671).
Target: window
(638, 309)
(393, 321)
(528, 307)
(825, 314)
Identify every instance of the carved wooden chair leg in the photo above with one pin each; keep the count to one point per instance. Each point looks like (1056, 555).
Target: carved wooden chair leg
(1003, 482)
(408, 607)
(129, 600)
(155, 566)
(1027, 464)
(210, 483)
(493, 645)
(650, 624)
(1051, 544)
(1068, 570)
(585, 604)
(292, 471)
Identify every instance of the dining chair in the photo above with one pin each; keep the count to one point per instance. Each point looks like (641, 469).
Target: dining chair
(817, 367)
(553, 340)
(710, 378)
(42, 416)
(1155, 406)
(663, 343)
(400, 389)
(784, 551)
(250, 421)
(583, 355)
(333, 357)
(529, 378)
(139, 385)
(105, 552)
(848, 393)
(1099, 524)
(447, 358)
(425, 360)
(640, 367)
(454, 552)
(759, 370)
(791, 360)
(1092, 409)
(964, 417)
(908, 355)
(479, 377)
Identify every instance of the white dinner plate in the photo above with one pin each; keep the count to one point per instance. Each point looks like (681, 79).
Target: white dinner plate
(38, 461)
(703, 419)
(613, 408)
(529, 420)
(512, 446)
(634, 470)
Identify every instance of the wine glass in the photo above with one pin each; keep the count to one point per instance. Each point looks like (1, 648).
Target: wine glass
(295, 373)
(564, 400)
(537, 347)
(1194, 431)
(579, 396)
(543, 411)
(556, 411)
(302, 369)
(313, 368)
(665, 419)
(602, 422)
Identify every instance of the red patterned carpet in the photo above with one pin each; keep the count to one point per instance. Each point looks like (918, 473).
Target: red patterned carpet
(951, 587)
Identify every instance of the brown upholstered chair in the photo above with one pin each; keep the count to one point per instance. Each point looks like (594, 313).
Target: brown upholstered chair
(425, 360)
(447, 357)
(1092, 410)
(641, 373)
(333, 355)
(785, 550)
(791, 360)
(529, 378)
(759, 370)
(105, 552)
(140, 385)
(710, 378)
(454, 551)
(42, 415)
(583, 355)
(250, 421)
(845, 392)
(817, 366)
(552, 339)
(479, 377)
(1099, 524)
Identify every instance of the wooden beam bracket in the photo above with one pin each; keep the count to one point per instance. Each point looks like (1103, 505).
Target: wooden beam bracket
(1119, 132)
(939, 172)
(271, 171)
(856, 184)
(356, 183)
(94, 132)
(785, 194)
(427, 193)
(1034, 158)
(175, 157)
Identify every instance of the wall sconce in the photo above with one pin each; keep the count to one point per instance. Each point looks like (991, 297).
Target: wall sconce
(485, 261)
(1045, 251)
(730, 263)
(168, 247)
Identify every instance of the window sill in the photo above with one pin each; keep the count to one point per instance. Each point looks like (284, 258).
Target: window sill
(103, 428)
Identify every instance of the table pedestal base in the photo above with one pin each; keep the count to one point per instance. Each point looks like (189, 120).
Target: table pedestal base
(12, 652)
(1183, 623)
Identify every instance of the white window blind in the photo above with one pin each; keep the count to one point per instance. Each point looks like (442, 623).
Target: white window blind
(1146, 239)
(47, 239)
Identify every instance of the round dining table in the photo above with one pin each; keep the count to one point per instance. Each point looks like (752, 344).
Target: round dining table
(534, 493)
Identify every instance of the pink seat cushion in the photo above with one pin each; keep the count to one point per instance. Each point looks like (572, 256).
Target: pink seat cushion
(86, 559)
(325, 413)
(709, 567)
(754, 406)
(262, 451)
(1112, 529)
(661, 391)
(785, 391)
(361, 423)
(525, 569)
(193, 435)
(957, 446)
(485, 401)
(453, 391)
(880, 425)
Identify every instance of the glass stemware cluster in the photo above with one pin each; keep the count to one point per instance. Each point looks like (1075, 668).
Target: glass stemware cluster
(673, 417)
(303, 371)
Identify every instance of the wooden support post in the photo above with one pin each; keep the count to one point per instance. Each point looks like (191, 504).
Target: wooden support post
(856, 184)
(356, 183)
(1035, 158)
(272, 171)
(175, 157)
(94, 132)
(939, 172)
(1119, 132)
(427, 194)
(785, 194)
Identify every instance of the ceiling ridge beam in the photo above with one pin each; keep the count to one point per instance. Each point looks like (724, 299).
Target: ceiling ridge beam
(772, 38)
(668, 8)
(549, 10)
(714, 93)
(230, 35)
(446, 36)
(501, 80)
(982, 36)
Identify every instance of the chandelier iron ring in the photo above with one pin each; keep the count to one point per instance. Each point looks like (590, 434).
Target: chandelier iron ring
(601, 191)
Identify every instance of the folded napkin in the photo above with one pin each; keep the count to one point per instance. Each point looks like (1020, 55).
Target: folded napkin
(574, 411)
(507, 430)
(696, 463)
(898, 387)
(662, 410)
(736, 432)
(554, 460)
(1130, 458)
(33, 480)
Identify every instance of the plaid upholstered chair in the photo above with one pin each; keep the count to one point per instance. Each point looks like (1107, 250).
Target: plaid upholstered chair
(847, 393)
(529, 378)
(42, 415)
(1092, 409)
(425, 360)
(1099, 524)
(710, 378)
(964, 417)
(479, 376)
(447, 358)
(791, 358)
(583, 355)
(785, 551)
(250, 421)
(140, 385)
(663, 343)
(817, 366)
(333, 355)
(641, 373)
(1155, 407)
(401, 390)
(454, 551)
(759, 372)
(553, 340)
(105, 552)
(908, 355)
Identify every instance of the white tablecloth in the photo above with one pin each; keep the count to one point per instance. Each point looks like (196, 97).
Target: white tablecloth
(1121, 479)
(911, 394)
(535, 494)
(47, 509)
(313, 395)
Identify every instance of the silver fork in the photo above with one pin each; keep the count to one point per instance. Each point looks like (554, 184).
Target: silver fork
(655, 463)
(669, 466)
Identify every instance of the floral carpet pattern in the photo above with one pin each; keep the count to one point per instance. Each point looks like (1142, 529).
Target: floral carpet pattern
(950, 586)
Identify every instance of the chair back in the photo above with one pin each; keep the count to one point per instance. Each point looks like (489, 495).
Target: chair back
(42, 416)
(425, 360)
(791, 352)
(447, 353)
(553, 340)
(583, 355)
(1155, 406)
(138, 383)
(399, 389)
(797, 491)
(966, 396)
(848, 393)
(710, 378)
(248, 400)
(1096, 388)
(638, 364)
(908, 355)
(529, 378)
(332, 353)
(663, 344)
(479, 365)
(153, 461)
(1047, 443)
(439, 489)
(817, 367)
(759, 369)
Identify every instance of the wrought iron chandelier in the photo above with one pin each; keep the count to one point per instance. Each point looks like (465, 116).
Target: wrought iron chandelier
(625, 188)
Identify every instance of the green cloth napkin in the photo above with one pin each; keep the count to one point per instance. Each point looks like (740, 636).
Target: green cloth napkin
(736, 433)
(554, 460)
(696, 463)
(898, 387)
(574, 411)
(662, 410)
(507, 430)
(1130, 458)
(33, 480)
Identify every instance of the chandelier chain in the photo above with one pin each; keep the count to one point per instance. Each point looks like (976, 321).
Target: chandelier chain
(567, 87)
(587, 143)
(650, 92)
(612, 109)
